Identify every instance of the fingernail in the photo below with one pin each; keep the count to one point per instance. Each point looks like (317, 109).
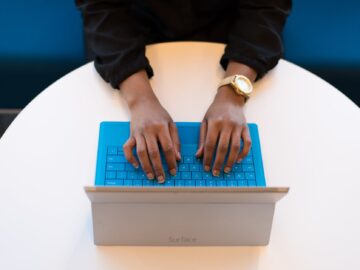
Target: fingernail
(161, 179)
(239, 161)
(150, 176)
(179, 155)
(173, 171)
(227, 169)
(216, 173)
(136, 165)
(207, 168)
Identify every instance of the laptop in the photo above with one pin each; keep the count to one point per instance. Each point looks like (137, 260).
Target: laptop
(193, 208)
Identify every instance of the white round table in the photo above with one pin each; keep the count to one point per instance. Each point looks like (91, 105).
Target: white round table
(310, 141)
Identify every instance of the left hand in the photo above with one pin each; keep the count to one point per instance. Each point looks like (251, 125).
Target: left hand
(222, 129)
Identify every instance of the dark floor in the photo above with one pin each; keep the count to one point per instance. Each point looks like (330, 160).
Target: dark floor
(6, 117)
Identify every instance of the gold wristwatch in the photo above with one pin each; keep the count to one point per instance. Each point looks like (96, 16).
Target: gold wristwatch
(241, 85)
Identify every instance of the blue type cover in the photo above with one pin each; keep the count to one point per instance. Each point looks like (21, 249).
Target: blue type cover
(112, 169)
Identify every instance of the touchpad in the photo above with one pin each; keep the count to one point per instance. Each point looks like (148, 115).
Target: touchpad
(189, 134)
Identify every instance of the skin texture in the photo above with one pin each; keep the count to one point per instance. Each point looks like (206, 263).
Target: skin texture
(223, 126)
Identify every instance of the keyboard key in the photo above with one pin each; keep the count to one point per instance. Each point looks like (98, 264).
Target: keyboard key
(180, 183)
(141, 176)
(131, 175)
(200, 183)
(128, 182)
(228, 176)
(148, 182)
(169, 183)
(137, 183)
(112, 150)
(190, 183)
(120, 150)
(247, 160)
(129, 167)
(183, 168)
(211, 183)
(232, 183)
(186, 175)
(122, 158)
(157, 184)
(197, 160)
(113, 182)
(115, 166)
(250, 176)
(188, 159)
(196, 175)
(110, 175)
(221, 183)
(206, 176)
(242, 183)
(251, 183)
(120, 175)
(114, 159)
(237, 168)
(248, 168)
(239, 176)
(194, 167)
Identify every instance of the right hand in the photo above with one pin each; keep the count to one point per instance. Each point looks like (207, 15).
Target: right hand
(150, 124)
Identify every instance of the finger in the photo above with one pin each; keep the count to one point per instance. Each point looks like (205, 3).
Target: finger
(234, 149)
(154, 155)
(144, 157)
(174, 134)
(128, 151)
(200, 152)
(212, 134)
(222, 148)
(168, 150)
(245, 134)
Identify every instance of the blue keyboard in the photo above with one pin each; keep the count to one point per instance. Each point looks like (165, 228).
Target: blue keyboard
(114, 170)
(190, 172)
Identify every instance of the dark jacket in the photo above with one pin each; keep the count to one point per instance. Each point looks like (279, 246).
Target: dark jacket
(117, 31)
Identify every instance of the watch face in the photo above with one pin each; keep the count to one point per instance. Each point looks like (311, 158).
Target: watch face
(243, 85)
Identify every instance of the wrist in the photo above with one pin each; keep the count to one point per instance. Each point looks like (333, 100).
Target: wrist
(226, 94)
(237, 96)
(136, 90)
(142, 100)
(235, 68)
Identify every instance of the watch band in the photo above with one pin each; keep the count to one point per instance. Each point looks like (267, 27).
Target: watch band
(226, 81)
(231, 81)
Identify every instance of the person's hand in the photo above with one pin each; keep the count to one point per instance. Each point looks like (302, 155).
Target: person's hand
(224, 127)
(150, 125)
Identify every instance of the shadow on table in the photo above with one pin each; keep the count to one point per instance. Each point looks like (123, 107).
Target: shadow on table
(6, 118)
(179, 257)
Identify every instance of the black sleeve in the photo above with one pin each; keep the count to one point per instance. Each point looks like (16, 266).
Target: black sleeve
(255, 39)
(114, 38)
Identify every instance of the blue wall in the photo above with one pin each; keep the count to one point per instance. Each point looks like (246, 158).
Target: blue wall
(41, 41)
(320, 32)
(323, 36)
